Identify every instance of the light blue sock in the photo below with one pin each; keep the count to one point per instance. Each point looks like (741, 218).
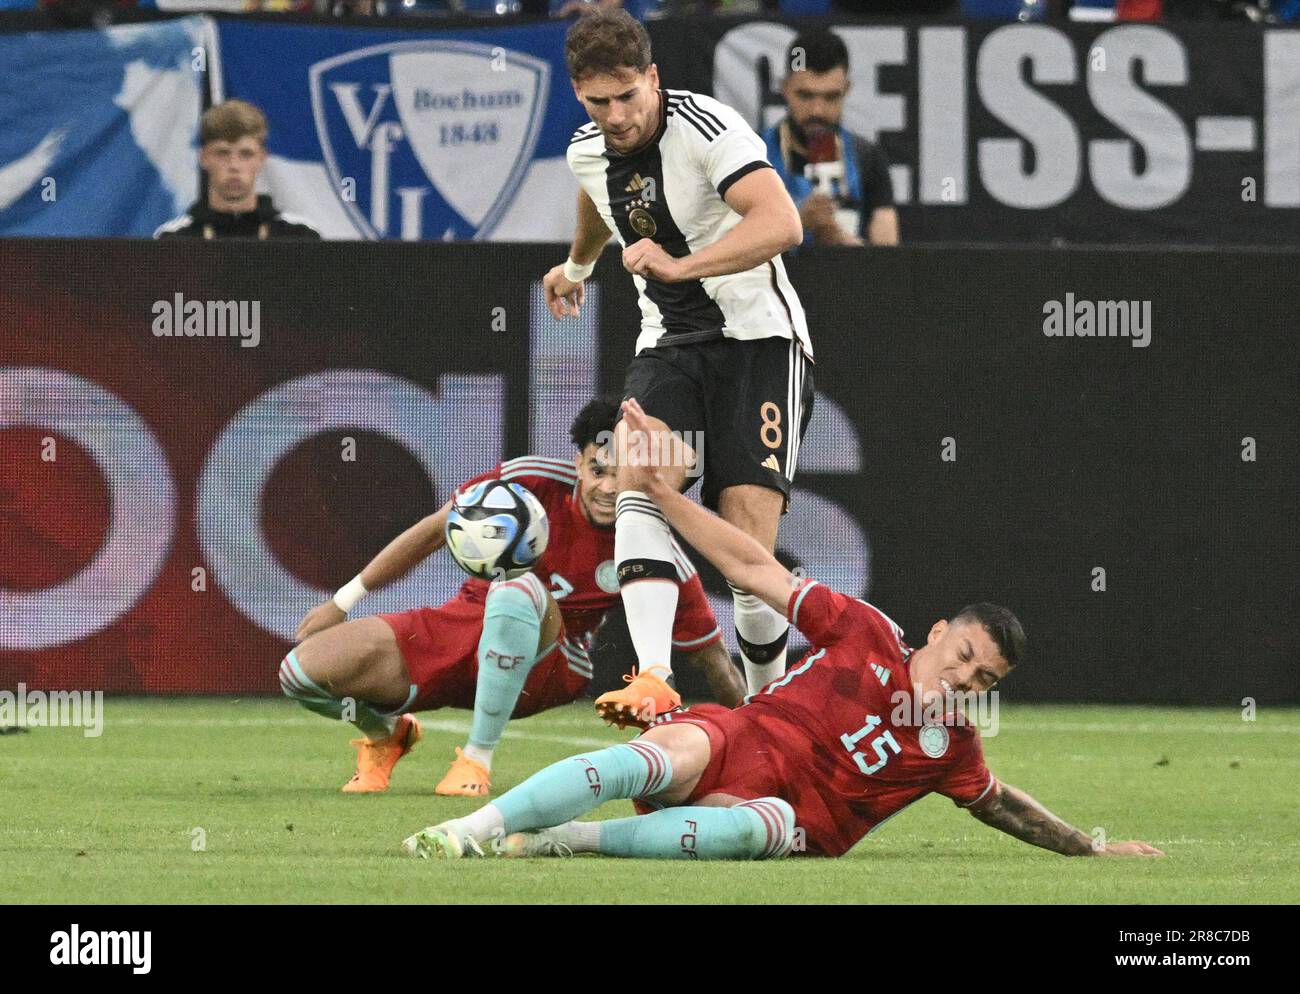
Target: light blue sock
(507, 650)
(298, 686)
(761, 829)
(574, 786)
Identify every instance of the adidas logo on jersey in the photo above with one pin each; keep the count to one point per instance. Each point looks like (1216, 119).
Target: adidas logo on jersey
(771, 463)
(882, 674)
(635, 185)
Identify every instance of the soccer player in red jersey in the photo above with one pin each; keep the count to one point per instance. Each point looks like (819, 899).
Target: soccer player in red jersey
(811, 763)
(507, 649)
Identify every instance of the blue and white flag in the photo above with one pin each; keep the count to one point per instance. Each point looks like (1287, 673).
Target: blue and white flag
(401, 134)
(98, 136)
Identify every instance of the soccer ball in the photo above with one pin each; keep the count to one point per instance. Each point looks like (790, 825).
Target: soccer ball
(497, 530)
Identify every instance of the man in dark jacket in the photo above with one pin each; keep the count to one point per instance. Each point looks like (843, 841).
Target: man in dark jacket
(233, 137)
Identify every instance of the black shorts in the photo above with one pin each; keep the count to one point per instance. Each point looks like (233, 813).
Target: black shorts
(749, 400)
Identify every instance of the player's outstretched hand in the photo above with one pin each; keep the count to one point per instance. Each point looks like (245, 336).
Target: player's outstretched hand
(636, 469)
(1130, 849)
(563, 296)
(319, 618)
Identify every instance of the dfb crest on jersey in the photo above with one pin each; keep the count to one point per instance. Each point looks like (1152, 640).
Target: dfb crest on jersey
(428, 139)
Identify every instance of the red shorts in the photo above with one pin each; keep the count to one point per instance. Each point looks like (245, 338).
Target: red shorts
(440, 646)
(753, 755)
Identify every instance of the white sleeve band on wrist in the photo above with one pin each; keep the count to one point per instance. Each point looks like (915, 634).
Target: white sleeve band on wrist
(575, 273)
(350, 593)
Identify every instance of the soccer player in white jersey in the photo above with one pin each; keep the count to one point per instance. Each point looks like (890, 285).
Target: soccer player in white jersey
(724, 353)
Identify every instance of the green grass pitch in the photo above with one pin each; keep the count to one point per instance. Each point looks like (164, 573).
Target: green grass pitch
(120, 818)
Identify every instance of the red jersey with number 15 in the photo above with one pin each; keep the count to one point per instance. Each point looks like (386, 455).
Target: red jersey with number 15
(838, 736)
(578, 565)
(852, 696)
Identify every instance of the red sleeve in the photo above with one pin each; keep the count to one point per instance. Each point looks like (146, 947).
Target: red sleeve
(695, 626)
(970, 782)
(819, 612)
(492, 474)
(826, 616)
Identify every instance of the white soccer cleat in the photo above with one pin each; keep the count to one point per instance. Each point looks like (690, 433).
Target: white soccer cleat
(441, 842)
(543, 842)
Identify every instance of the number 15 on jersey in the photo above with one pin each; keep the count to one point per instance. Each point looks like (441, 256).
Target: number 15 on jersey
(878, 744)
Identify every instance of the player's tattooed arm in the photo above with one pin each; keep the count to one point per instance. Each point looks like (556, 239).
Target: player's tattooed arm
(1013, 811)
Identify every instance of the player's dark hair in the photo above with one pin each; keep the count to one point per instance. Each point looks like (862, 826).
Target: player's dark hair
(595, 423)
(605, 42)
(822, 50)
(1004, 628)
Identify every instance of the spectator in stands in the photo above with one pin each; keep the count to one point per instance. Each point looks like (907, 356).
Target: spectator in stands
(233, 140)
(839, 180)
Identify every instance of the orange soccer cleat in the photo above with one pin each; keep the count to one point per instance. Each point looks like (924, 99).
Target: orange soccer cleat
(466, 778)
(377, 757)
(643, 699)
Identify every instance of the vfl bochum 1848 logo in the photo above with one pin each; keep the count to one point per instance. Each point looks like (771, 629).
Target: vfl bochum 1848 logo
(403, 125)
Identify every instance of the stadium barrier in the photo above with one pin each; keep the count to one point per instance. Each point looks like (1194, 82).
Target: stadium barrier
(198, 442)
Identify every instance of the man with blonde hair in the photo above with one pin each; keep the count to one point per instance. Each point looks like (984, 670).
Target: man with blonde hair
(232, 136)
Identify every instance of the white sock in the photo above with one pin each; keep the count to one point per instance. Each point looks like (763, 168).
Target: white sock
(581, 836)
(484, 825)
(647, 571)
(762, 633)
(480, 754)
(651, 606)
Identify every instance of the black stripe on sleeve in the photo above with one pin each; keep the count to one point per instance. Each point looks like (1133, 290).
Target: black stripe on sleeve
(740, 173)
(694, 123)
(705, 114)
(692, 114)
